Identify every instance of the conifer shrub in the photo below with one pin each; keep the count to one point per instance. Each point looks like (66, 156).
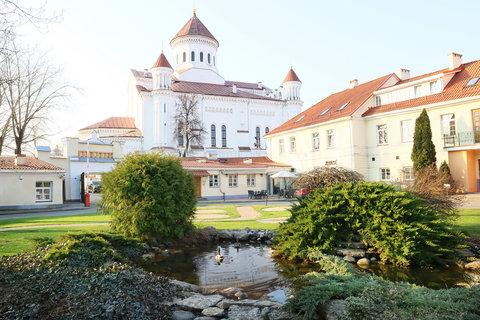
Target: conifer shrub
(403, 228)
(423, 151)
(149, 196)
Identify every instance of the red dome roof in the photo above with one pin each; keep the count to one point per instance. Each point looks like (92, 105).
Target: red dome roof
(291, 76)
(162, 62)
(194, 27)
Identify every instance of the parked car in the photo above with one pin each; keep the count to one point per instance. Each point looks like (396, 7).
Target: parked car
(94, 187)
(302, 192)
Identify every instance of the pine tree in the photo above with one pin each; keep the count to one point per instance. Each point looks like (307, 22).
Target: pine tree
(444, 169)
(423, 152)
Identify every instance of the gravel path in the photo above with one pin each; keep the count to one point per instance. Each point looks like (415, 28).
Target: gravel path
(247, 213)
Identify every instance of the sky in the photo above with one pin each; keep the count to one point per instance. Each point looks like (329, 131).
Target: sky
(328, 43)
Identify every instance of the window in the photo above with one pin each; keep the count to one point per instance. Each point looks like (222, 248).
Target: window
(407, 130)
(330, 138)
(267, 130)
(208, 58)
(472, 82)
(448, 125)
(417, 91)
(434, 86)
(201, 56)
(382, 134)
(213, 136)
(192, 56)
(184, 57)
(407, 173)
(164, 107)
(233, 180)
(293, 144)
(343, 106)
(250, 180)
(213, 181)
(257, 137)
(180, 135)
(177, 58)
(324, 112)
(378, 101)
(224, 136)
(213, 60)
(385, 174)
(281, 147)
(315, 141)
(43, 191)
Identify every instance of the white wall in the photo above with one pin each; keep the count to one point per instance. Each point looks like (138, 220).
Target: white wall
(231, 192)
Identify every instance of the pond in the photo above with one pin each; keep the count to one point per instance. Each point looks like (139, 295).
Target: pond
(253, 269)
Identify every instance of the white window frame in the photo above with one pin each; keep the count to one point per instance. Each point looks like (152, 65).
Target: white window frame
(281, 146)
(434, 86)
(251, 180)
(293, 144)
(451, 123)
(378, 101)
(315, 141)
(408, 173)
(404, 133)
(417, 91)
(382, 134)
(385, 174)
(40, 191)
(233, 180)
(330, 138)
(213, 181)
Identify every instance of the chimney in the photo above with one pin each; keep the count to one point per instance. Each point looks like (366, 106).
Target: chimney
(454, 60)
(234, 88)
(260, 85)
(353, 83)
(20, 160)
(403, 74)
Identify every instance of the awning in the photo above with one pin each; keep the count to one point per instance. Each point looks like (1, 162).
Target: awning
(199, 173)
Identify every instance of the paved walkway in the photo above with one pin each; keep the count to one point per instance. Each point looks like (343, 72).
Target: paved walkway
(247, 213)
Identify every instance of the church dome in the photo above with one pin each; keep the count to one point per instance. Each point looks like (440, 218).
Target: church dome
(194, 27)
(291, 76)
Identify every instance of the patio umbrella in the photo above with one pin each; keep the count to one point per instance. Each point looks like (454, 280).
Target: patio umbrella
(285, 175)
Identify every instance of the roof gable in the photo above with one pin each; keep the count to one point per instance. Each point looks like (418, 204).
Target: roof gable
(29, 164)
(113, 123)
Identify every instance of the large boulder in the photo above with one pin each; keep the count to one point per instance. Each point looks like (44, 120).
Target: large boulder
(212, 312)
(199, 302)
(182, 315)
(243, 313)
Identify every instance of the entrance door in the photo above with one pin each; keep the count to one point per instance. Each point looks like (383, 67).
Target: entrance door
(198, 187)
(476, 124)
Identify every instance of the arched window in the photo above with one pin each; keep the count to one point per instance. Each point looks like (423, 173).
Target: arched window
(180, 135)
(224, 136)
(267, 130)
(201, 56)
(213, 60)
(257, 137)
(208, 58)
(184, 57)
(192, 56)
(177, 58)
(213, 136)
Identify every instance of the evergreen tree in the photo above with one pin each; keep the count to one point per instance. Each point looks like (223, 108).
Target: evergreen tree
(444, 169)
(423, 152)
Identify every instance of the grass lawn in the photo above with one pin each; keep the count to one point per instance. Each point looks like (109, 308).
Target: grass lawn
(92, 217)
(230, 210)
(271, 214)
(469, 222)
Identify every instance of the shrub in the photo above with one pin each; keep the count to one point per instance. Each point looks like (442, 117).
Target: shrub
(423, 151)
(403, 228)
(149, 196)
(325, 177)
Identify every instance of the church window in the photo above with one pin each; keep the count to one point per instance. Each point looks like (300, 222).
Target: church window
(184, 57)
(208, 58)
(213, 60)
(201, 56)
(164, 107)
(267, 130)
(257, 137)
(180, 136)
(224, 136)
(192, 56)
(213, 136)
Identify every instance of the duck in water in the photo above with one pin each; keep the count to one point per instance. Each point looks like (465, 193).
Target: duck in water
(218, 256)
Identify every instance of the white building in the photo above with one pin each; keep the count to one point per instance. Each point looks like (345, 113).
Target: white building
(369, 127)
(235, 115)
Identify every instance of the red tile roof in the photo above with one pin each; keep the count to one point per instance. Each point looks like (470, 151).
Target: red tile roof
(328, 108)
(129, 134)
(194, 27)
(455, 89)
(113, 123)
(162, 62)
(244, 85)
(31, 164)
(229, 163)
(291, 76)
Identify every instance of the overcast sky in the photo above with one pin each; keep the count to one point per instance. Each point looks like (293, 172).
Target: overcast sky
(328, 43)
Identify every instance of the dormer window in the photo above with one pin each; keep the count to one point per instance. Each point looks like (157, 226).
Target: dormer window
(343, 106)
(417, 91)
(378, 101)
(324, 112)
(434, 86)
(472, 82)
(201, 56)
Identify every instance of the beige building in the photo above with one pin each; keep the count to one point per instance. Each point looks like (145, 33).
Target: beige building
(26, 183)
(369, 127)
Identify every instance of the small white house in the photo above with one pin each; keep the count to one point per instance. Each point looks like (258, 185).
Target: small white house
(27, 183)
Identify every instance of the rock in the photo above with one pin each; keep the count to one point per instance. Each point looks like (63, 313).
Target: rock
(183, 315)
(264, 313)
(205, 318)
(356, 253)
(243, 313)
(373, 259)
(213, 312)
(199, 302)
(363, 262)
(278, 296)
(475, 265)
(240, 294)
(148, 256)
(279, 314)
(334, 309)
(349, 259)
(226, 303)
(185, 286)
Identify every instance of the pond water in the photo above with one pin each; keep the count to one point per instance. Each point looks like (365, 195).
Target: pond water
(252, 268)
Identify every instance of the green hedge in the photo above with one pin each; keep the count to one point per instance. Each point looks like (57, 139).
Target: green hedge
(403, 228)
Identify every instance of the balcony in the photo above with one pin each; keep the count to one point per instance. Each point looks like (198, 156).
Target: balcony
(461, 139)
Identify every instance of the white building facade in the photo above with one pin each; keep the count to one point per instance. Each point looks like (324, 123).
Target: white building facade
(235, 115)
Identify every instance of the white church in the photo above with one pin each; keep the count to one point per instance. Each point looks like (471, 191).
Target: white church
(235, 115)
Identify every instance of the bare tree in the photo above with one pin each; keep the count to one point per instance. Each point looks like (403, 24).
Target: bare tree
(5, 122)
(188, 125)
(32, 90)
